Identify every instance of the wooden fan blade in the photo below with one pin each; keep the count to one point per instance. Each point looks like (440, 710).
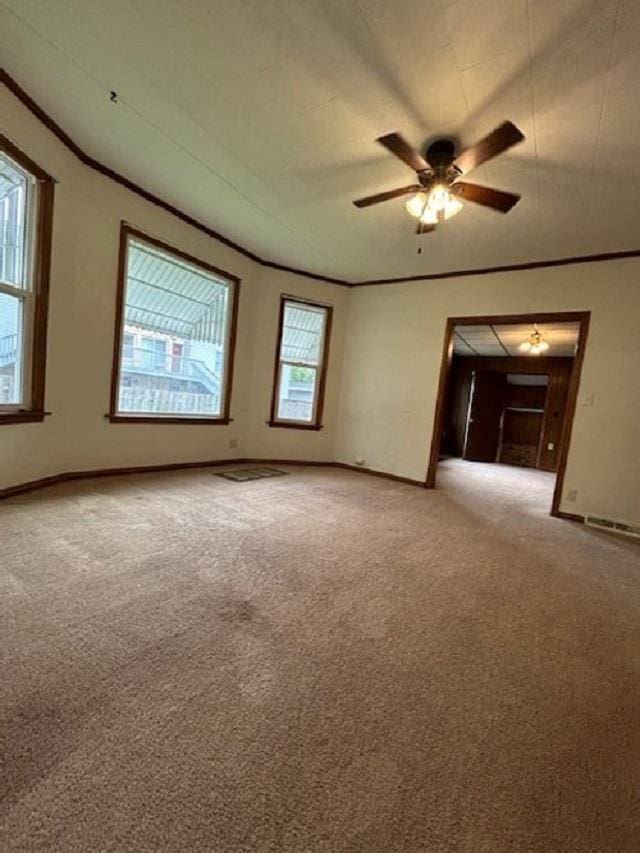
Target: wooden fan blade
(376, 199)
(424, 228)
(499, 140)
(399, 146)
(487, 196)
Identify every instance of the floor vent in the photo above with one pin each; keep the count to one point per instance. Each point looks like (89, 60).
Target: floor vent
(242, 475)
(612, 526)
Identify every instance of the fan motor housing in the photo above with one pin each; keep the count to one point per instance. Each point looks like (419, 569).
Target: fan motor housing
(441, 153)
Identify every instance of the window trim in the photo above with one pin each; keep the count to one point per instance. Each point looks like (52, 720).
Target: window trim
(36, 348)
(321, 369)
(128, 232)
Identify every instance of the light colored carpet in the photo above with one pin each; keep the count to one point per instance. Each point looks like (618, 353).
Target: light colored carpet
(320, 662)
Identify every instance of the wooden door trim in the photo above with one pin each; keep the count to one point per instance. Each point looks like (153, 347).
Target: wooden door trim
(581, 317)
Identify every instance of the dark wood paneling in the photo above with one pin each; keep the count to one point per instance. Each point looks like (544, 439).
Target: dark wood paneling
(487, 403)
(555, 394)
(520, 427)
(526, 396)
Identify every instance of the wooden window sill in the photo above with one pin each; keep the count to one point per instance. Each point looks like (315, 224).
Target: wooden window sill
(290, 425)
(23, 417)
(169, 419)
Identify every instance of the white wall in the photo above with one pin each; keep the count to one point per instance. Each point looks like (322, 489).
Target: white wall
(87, 213)
(392, 360)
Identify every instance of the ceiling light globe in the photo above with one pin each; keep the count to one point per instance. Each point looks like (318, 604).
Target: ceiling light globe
(544, 346)
(439, 198)
(525, 346)
(416, 204)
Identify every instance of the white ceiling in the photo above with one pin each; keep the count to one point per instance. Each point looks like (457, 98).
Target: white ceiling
(505, 340)
(258, 117)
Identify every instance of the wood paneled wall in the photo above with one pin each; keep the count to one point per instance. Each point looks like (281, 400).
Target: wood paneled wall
(557, 369)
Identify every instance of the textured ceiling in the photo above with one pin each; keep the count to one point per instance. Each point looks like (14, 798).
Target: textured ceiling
(505, 340)
(259, 117)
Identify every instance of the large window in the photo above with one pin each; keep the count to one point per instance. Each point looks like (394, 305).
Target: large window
(175, 329)
(26, 207)
(301, 364)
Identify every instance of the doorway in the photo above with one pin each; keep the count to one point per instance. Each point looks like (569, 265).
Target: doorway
(500, 402)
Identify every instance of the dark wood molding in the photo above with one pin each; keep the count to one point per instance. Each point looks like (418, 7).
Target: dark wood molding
(581, 317)
(396, 478)
(514, 319)
(41, 280)
(570, 410)
(167, 419)
(441, 402)
(570, 516)
(128, 232)
(92, 163)
(294, 425)
(528, 265)
(65, 477)
(324, 366)
(26, 417)
(107, 172)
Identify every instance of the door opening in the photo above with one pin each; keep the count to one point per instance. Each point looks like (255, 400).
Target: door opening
(503, 400)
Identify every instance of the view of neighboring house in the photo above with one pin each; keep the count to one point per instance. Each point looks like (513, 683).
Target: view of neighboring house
(166, 373)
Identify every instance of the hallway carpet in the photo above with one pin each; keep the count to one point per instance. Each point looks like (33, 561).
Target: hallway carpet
(320, 662)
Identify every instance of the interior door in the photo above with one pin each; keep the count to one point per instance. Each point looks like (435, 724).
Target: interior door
(485, 410)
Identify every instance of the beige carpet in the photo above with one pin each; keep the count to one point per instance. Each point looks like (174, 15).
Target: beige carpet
(319, 662)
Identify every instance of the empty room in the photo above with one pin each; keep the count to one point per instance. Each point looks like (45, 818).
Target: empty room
(319, 406)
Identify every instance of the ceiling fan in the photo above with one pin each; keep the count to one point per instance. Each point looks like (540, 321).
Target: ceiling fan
(437, 194)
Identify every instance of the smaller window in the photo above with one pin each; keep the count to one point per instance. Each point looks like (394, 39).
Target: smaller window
(301, 364)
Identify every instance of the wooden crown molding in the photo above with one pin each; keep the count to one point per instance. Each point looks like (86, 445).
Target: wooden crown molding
(106, 171)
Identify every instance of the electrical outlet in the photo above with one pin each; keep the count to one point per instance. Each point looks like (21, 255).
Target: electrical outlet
(587, 400)
(572, 494)
(233, 443)
(550, 446)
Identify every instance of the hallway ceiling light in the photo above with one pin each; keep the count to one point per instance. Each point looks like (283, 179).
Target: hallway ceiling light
(534, 345)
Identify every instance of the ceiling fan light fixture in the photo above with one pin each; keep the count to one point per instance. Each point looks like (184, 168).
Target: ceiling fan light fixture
(417, 204)
(434, 206)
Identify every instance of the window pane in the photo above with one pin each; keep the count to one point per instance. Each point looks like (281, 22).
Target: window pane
(13, 194)
(302, 333)
(175, 336)
(296, 393)
(10, 349)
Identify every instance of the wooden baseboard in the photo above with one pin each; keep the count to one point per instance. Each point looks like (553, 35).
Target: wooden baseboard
(395, 477)
(64, 477)
(569, 516)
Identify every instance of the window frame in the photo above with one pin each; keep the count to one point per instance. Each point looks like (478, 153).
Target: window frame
(127, 233)
(36, 296)
(321, 369)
